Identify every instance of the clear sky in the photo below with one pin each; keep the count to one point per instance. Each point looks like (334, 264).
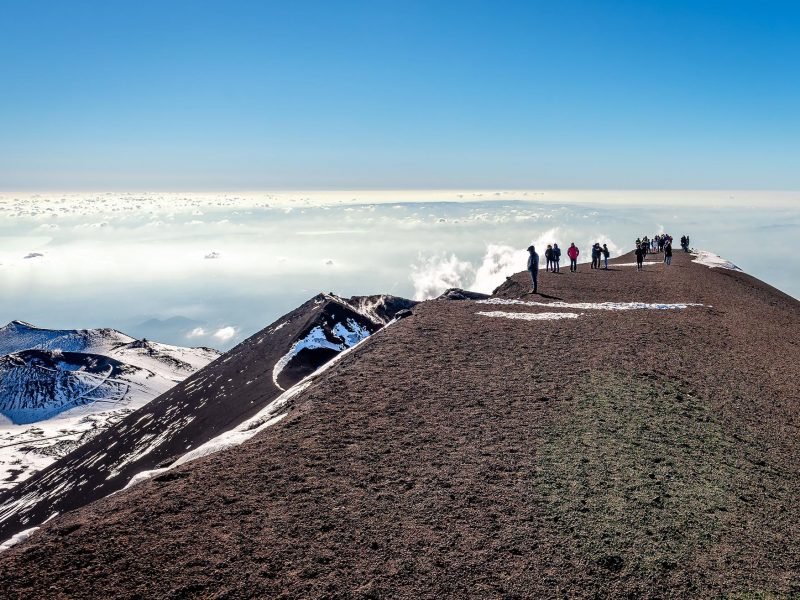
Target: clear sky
(200, 95)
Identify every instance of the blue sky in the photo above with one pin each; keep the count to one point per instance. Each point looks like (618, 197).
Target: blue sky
(337, 95)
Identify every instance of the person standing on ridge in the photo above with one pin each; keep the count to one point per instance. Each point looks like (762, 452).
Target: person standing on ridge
(548, 254)
(573, 253)
(533, 267)
(606, 254)
(668, 253)
(639, 257)
(556, 259)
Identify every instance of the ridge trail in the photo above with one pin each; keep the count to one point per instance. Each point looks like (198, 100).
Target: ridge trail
(636, 453)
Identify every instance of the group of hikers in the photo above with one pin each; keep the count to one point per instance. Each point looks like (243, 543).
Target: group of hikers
(658, 243)
(661, 242)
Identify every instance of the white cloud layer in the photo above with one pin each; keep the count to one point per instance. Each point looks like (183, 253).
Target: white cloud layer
(224, 334)
(148, 258)
(432, 275)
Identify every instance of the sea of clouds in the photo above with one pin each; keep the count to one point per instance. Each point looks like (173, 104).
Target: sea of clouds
(211, 269)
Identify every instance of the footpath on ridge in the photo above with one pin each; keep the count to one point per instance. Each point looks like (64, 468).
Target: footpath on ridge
(648, 452)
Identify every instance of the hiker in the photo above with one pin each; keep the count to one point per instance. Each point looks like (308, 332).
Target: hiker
(668, 253)
(594, 256)
(533, 267)
(661, 243)
(556, 258)
(573, 253)
(639, 257)
(606, 254)
(548, 254)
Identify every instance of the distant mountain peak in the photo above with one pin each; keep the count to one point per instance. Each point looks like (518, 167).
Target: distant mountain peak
(20, 324)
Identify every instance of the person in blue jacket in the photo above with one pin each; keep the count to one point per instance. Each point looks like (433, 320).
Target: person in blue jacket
(533, 267)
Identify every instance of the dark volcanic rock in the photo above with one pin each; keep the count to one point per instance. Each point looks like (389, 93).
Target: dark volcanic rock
(459, 294)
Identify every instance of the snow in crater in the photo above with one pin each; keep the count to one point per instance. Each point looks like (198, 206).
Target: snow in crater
(713, 261)
(593, 305)
(349, 332)
(524, 316)
(58, 406)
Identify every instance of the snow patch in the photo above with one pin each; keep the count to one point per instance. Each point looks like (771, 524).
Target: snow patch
(594, 305)
(17, 538)
(524, 316)
(713, 261)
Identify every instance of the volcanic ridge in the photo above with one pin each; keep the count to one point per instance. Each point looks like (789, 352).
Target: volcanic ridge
(622, 434)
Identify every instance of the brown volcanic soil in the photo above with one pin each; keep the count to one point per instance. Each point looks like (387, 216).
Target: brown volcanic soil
(621, 454)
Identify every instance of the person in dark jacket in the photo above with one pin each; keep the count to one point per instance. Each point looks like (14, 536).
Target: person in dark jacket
(548, 254)
(533, 267)
(606, 254)
(556, 259)
(639, 257)
(668, 253)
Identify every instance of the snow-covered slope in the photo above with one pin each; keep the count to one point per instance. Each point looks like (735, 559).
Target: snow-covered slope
(59, 388)
(713, 261)
(19, 335)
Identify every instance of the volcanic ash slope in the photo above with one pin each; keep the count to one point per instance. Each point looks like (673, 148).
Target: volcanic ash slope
(229, 400)
(646, 447)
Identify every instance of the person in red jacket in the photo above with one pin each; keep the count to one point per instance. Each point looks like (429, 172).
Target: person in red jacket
(573, 253)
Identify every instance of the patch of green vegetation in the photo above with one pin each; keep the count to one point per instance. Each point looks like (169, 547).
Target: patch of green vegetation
(636, 475)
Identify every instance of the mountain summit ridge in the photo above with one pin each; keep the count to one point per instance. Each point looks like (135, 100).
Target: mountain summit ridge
(470, 450)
